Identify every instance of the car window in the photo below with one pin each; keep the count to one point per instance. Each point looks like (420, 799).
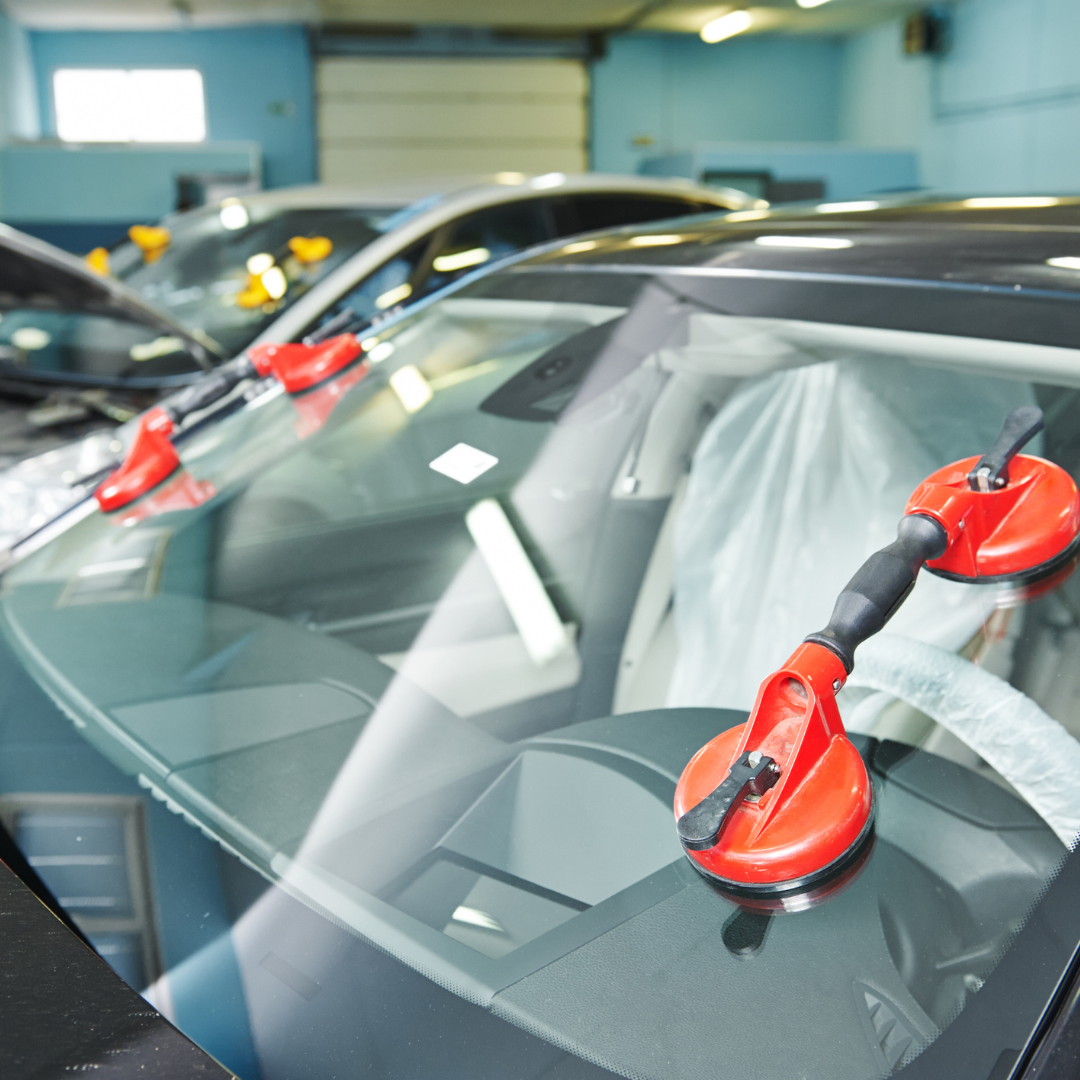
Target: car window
(390, 286)
(228, 271)
(97, 348)
(407, 689)
(489, 234)
(586, 212)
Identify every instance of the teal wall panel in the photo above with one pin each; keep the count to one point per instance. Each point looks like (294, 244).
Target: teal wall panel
(998, 113)
(678, 91)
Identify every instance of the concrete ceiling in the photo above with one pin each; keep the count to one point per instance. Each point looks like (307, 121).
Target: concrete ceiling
(567, 16)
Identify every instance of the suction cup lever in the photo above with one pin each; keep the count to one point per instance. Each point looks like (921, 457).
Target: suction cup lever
(991, 472)
(751, 776)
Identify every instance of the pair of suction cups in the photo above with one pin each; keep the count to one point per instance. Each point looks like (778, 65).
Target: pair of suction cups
(779, 811)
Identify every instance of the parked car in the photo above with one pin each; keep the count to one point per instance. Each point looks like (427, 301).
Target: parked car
(356, 737)
(232, 270)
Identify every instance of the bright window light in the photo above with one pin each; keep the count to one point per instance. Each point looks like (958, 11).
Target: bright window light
(1063, 262)
(142, 105)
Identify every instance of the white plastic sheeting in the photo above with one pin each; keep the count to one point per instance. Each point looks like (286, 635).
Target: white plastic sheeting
(801, 476)
(1033, 752)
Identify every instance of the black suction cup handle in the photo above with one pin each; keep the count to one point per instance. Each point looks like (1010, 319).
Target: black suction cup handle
(992, 470)
(880, 586)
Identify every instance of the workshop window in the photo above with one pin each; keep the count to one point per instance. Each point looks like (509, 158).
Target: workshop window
(142, 105)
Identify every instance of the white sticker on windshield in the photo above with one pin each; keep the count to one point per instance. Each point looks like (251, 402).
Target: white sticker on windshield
(464, 463)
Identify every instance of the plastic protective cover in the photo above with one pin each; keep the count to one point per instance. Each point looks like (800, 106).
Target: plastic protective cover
(798, 479)
(1029, 749)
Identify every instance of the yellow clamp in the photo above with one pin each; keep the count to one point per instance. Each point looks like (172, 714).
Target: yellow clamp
(152, 241)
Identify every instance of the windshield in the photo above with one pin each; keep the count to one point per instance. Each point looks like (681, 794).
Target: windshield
(390, 687)
(230, 270)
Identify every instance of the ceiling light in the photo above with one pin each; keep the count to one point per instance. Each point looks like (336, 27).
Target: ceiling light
(274, 282)
(378, 350)
(658, 240)
(810, 3)
(461, 259)
(30, 338)
(233, 214)
(393, 296)
(821, 242)
(259, 264)
(734, 22)
(548, 180)
(411, 388)
(1065, 262)
(1010, 202)
(846, 207)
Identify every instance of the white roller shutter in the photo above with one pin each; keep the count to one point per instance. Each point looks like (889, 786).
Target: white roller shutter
(382, 119)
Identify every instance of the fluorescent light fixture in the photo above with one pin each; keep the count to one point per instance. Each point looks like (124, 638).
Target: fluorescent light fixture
(510, 178)
(378, 351)
(275, 282)
(164, 105)
(658, 240)
(393, 296)
(846, 207)
(260, 263)
(810, 3)
(463, 463)
(1065, 262)
(534, 615)
(734, 22)
(411, 388)
(827, 243)
(461, 259)
(233, 214)
(580, 245)
(1012, 202)
(747, 215)
(548, 180)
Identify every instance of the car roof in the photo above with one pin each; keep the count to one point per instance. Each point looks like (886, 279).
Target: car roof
(989, 270)
(490, 187)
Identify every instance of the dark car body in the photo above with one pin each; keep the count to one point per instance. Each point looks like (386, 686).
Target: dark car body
(377, 808)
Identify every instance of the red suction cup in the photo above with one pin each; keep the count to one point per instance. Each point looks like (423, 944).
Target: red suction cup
(782, 805)
(796, 804)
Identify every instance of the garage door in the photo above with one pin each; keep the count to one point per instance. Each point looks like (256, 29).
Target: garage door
(384, 119)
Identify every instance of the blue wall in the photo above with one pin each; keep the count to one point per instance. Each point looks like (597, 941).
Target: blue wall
(999, 113)
(679, 91)
(18, 101)
(258, 83)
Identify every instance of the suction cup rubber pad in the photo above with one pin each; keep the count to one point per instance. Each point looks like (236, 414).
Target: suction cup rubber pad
(819, 825)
